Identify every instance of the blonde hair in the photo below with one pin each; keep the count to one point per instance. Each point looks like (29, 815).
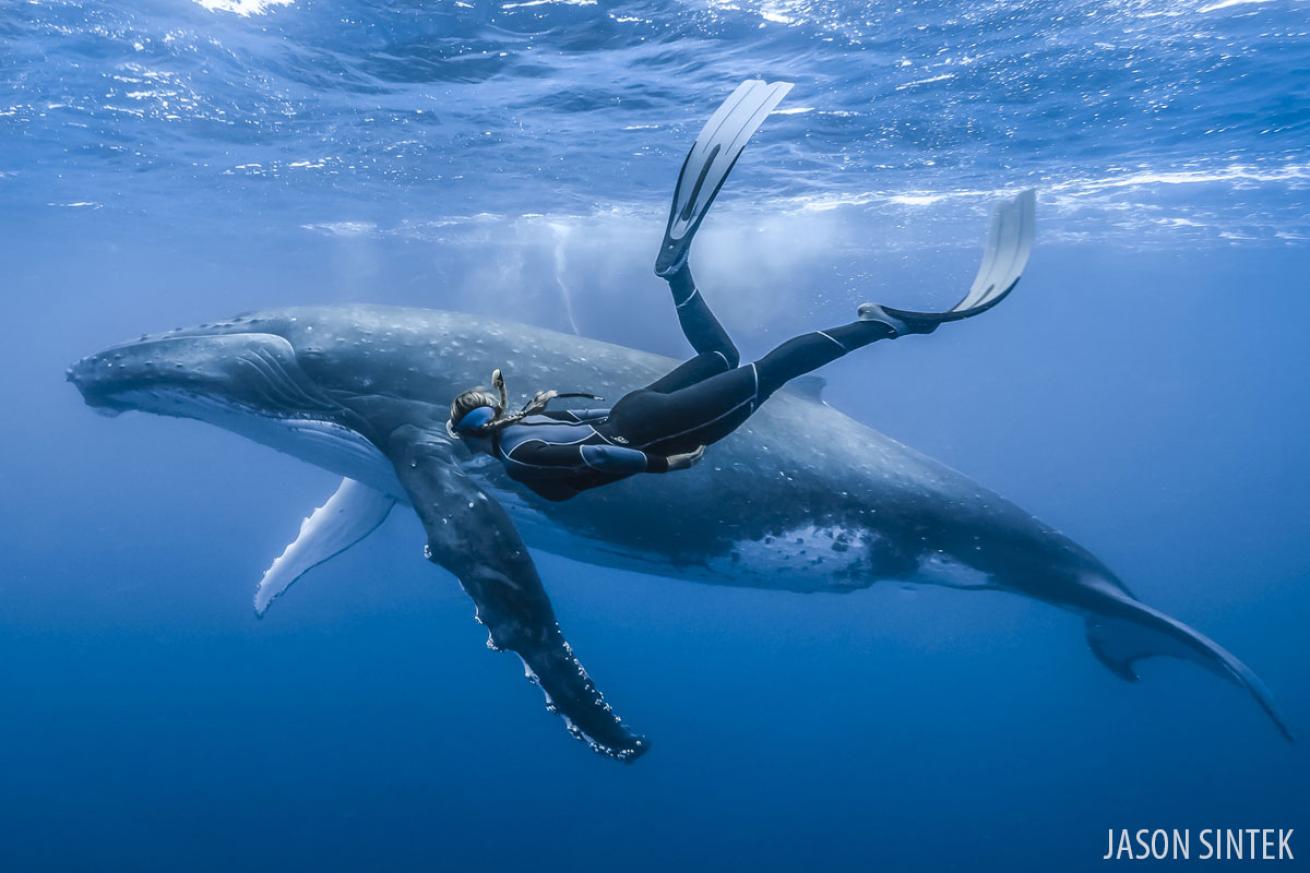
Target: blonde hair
(475, 398)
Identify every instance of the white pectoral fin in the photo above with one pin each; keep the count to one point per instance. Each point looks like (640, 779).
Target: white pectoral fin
(349, 515)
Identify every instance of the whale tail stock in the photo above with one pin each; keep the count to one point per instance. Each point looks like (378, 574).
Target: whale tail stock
(1125, 631)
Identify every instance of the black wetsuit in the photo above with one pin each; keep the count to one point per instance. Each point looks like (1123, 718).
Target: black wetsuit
(559, 454)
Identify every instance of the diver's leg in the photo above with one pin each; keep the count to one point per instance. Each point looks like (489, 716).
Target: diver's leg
(706, 167)
(1004, 258)
(810, 351)
(698, 321)
(689, 372)
(681, 420)
(708, 410)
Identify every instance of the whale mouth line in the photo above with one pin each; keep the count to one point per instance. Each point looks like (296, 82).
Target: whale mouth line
(181, 402)
(318, 439)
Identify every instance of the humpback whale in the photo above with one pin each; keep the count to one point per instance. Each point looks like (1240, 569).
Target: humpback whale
(820, 502)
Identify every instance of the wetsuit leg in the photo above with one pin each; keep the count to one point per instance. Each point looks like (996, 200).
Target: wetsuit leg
(699, 414)
(688, 373)
(802, 354)
(709, 410)
(698, 321)
(715, 350)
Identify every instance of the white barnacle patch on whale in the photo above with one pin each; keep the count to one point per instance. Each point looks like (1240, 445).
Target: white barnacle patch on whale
(808, 557)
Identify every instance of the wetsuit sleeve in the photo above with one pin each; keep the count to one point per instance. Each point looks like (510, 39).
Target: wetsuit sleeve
(616, 459)
(657, 464)
(538, 454)
(577, 416)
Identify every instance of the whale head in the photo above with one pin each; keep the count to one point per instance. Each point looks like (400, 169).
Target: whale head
(202, 376)
(243, 379)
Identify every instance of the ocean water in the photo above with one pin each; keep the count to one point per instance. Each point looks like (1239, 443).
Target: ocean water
(1144, 390)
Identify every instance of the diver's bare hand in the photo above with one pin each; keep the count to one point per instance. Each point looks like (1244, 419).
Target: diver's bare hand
(686, 460)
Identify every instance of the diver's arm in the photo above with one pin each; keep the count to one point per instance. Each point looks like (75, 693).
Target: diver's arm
(536, 453)
(577, 416)
(626, 461)
(615, 460)
(623, 461)
(604, 459)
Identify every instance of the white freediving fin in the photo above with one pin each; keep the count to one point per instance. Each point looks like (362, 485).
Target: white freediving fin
(710, 160)
(349, 515)
(1009, 244)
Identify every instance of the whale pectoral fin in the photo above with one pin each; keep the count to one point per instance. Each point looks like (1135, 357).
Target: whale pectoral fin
(350, 514)
(1140, 632)
(472, 536)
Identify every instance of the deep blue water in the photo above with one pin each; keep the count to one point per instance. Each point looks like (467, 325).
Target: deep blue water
(167, 163)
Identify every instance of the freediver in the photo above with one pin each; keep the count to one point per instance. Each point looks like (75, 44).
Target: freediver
(666, 425)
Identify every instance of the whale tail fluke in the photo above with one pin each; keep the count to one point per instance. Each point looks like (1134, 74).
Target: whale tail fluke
(1133, 631)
